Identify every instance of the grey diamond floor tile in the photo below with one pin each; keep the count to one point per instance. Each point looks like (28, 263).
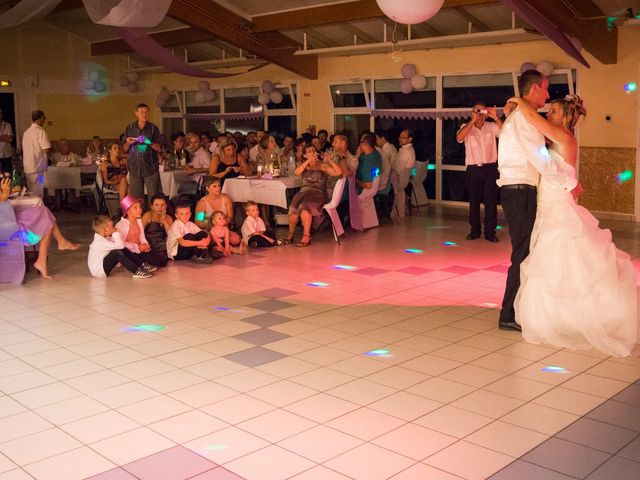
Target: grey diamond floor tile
(254, 357)
(415, 270)
(630, 395)
(271, 305)
(598, 435)
(261, 336)
(631, 451)
(617, 469)
(617, 413)
(520, 470)
(266, 319)
(371, 271)
(275, 292)
(566, 457)
(177, 463)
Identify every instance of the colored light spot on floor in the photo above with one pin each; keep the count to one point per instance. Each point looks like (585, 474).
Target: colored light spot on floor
(344, 267)
(317, 284)
(554, 369)
(145, 328)
(414, 250)
(450, 244)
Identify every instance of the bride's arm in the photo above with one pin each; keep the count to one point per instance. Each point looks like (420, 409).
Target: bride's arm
(556, 134)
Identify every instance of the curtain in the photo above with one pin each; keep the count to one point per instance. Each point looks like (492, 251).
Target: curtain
(127, 13)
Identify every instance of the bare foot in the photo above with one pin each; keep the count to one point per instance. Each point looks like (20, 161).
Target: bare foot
(43, 270)
(67, 245)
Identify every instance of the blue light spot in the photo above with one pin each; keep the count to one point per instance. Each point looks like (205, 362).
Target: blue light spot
(630, 87)
(417, 251)
(449, 244)
(375, 172)
(554, 369)
(318, 284)
(41, 179)
(379, 352)
(222, 308)
(344, 267)
(624, 177)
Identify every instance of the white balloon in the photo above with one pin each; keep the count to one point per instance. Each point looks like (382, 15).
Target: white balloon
(132, 76)
(203, 85)
(264, 98)
(405, 86)
(545, 67)
(276, 97)
(408, 70)
(410, 12)
(527, 66)
(88, 84)
(133, 87)
(200, 98)
(418, 82)
(210, 95)
(93, 75)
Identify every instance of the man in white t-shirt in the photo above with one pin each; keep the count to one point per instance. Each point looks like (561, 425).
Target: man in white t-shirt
(35, 145)
(401, 171)
(6, 150)
(481, 156)
(389, 153)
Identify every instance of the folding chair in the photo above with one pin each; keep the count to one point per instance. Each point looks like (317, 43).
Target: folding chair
(332, 209)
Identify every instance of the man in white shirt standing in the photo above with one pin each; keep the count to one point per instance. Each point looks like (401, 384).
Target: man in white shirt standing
(6, 150)
(388, 154)
(35, 144)
(521, 155)
(481, 155)
(401, 173)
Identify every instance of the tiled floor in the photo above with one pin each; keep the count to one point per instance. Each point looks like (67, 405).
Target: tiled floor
(392, 368)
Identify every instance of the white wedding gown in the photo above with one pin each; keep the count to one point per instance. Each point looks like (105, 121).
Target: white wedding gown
(577, 289)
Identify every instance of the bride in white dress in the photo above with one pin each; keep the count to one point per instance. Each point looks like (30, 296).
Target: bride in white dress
(577, 289)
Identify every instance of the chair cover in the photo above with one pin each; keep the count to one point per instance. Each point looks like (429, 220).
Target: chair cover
(332, 209)
(12, 266)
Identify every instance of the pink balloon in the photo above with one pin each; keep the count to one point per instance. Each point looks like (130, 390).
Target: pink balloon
(527, 66)
(408, 70)
(405, 86)
(410, 12)
(267, 86)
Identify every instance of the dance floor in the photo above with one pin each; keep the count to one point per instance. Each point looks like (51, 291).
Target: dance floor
(379, 358)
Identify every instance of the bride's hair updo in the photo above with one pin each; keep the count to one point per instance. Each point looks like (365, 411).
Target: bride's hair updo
(573, 109)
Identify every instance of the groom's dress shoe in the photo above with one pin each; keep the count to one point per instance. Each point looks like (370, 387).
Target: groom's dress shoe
(510, 326)
(493, 239)
(473, 236)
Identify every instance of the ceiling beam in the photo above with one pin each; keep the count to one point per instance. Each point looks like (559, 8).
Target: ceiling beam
(230, 27)
(170, 38)
(475, 21)
(595, 36)
(355, 11)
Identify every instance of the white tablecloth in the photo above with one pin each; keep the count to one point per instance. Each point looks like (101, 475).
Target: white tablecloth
(172, 180)
(66, 177)
(268, 192)
(28, 201)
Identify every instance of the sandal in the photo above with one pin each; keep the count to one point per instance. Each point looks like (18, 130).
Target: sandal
(288, 240)
(302, 243)
(278, 243)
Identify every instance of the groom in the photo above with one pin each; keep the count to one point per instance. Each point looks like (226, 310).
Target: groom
(521, 154)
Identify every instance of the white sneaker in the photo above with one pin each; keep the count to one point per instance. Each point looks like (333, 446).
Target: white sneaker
(148, 267)
(142, 273)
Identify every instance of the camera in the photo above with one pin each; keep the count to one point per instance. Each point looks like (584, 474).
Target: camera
(483, 111)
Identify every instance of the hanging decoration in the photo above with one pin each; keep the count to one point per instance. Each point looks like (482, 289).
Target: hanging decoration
(269, 94)
(204, 93)
(162, 96)
(545, 67)
(527, 66)
(94, 82)
(410, 12)
(130, 81)
(412, 79)
(127, 13)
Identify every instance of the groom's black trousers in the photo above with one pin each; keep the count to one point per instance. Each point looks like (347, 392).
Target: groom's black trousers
(519, 205)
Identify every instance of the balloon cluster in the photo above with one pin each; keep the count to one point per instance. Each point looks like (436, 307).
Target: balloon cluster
(93, 82)
(410, 12)
(162, 96)
(545, 67)
(204, 93)
(412, 79)
(269, 94)
(129, 81)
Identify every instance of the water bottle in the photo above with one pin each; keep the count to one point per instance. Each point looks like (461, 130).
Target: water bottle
(291, 164)
(260, 166)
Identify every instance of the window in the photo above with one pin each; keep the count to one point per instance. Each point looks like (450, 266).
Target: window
(244, 125)
(171, 125)
(349, 95)
(424, 134)
(281, 125)
(388, 95)
(287, 101)
(196, 125)
(453, 186)
(242, 99)
(352, 125)
(172, 104)
(452, 152)
(462, 91)
(559, 85)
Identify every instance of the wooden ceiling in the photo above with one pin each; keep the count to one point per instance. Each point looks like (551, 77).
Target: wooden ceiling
(273, 31)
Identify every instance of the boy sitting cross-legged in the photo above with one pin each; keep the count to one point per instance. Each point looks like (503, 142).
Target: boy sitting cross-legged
(185, 239)
(107, 250)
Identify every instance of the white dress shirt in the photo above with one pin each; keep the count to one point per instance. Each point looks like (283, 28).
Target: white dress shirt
(35, 143)
(480, 144)
(200, 158)
(250, 226)
(406, 158)
(71, 159)
(6, 150)
(123, 227)
(388, 154)
(100, 248)
(177, 231)
(253, 153)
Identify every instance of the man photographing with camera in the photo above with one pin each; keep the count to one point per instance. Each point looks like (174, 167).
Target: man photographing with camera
(481, 155)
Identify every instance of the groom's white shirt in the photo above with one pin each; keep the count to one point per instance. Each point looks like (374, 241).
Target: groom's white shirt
(523, 156)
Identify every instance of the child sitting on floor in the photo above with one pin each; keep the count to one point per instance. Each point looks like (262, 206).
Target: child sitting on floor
(107, 250)
(221, 237)
(132, 231)
(185, 240)
(254, 232)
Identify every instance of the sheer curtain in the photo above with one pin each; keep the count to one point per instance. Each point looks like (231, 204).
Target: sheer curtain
(127, 13)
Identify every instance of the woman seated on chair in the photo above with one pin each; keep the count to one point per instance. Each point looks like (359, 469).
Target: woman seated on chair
(308, 202)
(37, 226)
(227, 163)
(215, 201)
(114, 171)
